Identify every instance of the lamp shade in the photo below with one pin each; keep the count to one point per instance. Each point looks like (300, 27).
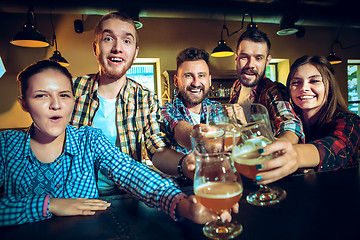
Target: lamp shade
(287, 26)
(222, 50)
(251, 26)
(333, 59)
(29, 37)
(138, 24)
(56, 57)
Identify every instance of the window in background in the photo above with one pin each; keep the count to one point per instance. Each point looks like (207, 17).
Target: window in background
(271, 72)
(143, 74)
(146, 72)
(353, 70)
(2, 68)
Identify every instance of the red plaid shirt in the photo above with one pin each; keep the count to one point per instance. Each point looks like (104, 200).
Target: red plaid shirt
(274, 97)
(337, 142)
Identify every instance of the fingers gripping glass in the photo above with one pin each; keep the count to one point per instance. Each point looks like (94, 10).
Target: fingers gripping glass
(256, 134)
(218, 187)
(227, 117)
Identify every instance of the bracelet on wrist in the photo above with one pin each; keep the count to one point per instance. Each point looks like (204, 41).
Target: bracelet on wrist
(179, 167)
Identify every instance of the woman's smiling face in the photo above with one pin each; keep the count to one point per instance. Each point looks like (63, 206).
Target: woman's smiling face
(307, 89)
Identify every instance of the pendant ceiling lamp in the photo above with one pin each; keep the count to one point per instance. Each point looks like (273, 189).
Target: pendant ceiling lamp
(30, 36)
(287, 26)
(333, 59)
(56, 57)
(223, 50)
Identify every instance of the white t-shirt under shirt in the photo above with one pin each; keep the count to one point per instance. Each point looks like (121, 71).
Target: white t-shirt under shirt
(105, 120)
(195, 117)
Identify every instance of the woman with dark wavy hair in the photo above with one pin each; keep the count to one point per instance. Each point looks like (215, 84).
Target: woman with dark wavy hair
(332, 132)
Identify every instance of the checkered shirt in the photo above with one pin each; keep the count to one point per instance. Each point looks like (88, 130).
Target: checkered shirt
(274, 96)
(137, 115)
(337, 141)
(175, 111)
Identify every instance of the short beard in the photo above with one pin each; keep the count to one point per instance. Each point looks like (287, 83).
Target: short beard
(188, 100)
(251, 84)
(114, 74)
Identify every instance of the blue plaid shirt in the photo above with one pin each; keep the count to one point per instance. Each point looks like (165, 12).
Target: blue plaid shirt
(175, 111)
(86, 151)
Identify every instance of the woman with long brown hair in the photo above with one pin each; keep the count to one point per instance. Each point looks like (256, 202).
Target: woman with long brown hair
(332, 132)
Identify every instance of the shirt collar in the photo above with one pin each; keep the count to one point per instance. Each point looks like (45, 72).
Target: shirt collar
(71, 142)
(94, 87)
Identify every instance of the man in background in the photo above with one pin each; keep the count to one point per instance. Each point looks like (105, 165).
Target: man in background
(189, 107)
(252, 57)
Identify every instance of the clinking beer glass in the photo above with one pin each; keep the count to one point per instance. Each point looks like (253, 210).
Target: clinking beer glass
(217, 185)
(225, 116)
(254, 135)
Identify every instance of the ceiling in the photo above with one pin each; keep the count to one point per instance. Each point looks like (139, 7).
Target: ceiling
(332, 13)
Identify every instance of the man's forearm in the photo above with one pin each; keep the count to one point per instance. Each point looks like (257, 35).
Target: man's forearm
(167, 160)
(182, 134)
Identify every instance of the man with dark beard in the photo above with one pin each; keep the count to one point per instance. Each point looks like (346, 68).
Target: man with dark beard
(126, 112)
(252, 56)
(189, 107)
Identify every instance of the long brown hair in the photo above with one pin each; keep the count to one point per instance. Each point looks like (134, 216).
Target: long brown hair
(333, 102)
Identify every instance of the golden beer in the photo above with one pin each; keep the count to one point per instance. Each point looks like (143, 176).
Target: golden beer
(246, 156)
(219, 196)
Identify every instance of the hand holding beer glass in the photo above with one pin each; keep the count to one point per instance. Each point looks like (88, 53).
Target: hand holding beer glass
(255, 135)
(217, 185)
(228, 117)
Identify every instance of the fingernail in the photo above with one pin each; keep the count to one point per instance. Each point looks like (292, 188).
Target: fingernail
(261, 150)
(259, 166)
(258, 178)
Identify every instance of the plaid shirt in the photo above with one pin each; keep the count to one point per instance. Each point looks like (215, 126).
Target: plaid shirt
(137, 114)
(175, 111)
(86, 149)
(274, 97)
(337, 142)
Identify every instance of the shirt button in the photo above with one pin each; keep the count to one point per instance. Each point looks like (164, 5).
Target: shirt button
(58, 162)
(58, 186)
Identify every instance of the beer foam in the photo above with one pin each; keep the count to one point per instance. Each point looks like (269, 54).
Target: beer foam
(218, 190)
(214, 134)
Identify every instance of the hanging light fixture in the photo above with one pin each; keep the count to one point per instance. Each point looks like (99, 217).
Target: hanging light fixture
(333, 59)
(56, 57)
(223, 50)
(30, 36)
(287, 26)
